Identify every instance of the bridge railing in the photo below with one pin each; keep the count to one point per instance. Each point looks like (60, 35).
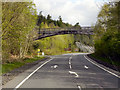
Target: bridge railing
(58, 29)
(47, 32)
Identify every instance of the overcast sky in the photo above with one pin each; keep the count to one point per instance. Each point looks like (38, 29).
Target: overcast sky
(72, 11)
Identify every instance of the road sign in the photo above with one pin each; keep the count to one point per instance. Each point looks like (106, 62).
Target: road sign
(38, 50)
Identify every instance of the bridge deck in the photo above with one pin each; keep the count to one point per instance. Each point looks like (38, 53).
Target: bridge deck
(47, 32)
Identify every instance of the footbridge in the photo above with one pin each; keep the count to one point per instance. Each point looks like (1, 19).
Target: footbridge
(48, 32)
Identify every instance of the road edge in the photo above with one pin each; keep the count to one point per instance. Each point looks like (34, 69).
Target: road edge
(10, 75)
(25, 79)
(109, 70)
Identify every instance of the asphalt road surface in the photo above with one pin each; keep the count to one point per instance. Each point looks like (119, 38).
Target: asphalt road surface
(69, 71)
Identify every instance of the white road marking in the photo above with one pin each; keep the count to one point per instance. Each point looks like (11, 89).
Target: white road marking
(70, 57)
(58, 57)
(76, 54)
(52, 66)
(69, 61)
(76, 75)
(79, 87)
(86, 67)
(70, 65)
(102, 68)
(55, 66)
(31, 74)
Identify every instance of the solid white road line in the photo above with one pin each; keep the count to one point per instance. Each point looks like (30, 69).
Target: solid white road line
(31, 74)
(76, 75)
(102, 68)
(79, 87)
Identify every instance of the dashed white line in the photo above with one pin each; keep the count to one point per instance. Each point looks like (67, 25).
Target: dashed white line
(31, 74)
(70, 57)
(102, 68)
(69, 61)
(76, 75)
(79, 87)
(70, 65)
(58, 57)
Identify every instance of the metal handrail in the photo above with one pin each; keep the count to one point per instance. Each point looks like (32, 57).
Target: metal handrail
(63, 29)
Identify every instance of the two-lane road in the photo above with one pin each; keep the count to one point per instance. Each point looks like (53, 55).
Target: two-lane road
(69, 71)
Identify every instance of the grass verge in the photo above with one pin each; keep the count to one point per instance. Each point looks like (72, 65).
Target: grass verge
(13, 65)
(106, 60)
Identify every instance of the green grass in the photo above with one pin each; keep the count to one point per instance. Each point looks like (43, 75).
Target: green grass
(107, 60)
(11, 66)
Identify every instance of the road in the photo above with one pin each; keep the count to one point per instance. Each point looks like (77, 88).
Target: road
(69, 71)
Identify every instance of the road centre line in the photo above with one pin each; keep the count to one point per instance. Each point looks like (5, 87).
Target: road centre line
(71, 57)
(31, 74)
(70, 66)
(79, 87)
(70, 62)
(59, 57)
(102, 68)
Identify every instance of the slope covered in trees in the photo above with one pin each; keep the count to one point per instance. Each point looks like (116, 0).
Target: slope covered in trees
(107, 29)
(20, 24)
(55, 44)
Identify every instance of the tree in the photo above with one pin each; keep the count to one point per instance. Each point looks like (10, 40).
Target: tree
(18, 20)
(77, 25)
(59, 21)
(107, 32)
(48, 19)
(60, 18)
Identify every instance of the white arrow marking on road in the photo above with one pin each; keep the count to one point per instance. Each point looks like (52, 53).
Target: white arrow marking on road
(86, 67)
(74, 73)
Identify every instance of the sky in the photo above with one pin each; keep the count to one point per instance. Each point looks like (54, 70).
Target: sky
(72, 11)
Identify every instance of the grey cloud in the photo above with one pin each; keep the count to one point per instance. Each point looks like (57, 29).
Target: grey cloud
(82, 11)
